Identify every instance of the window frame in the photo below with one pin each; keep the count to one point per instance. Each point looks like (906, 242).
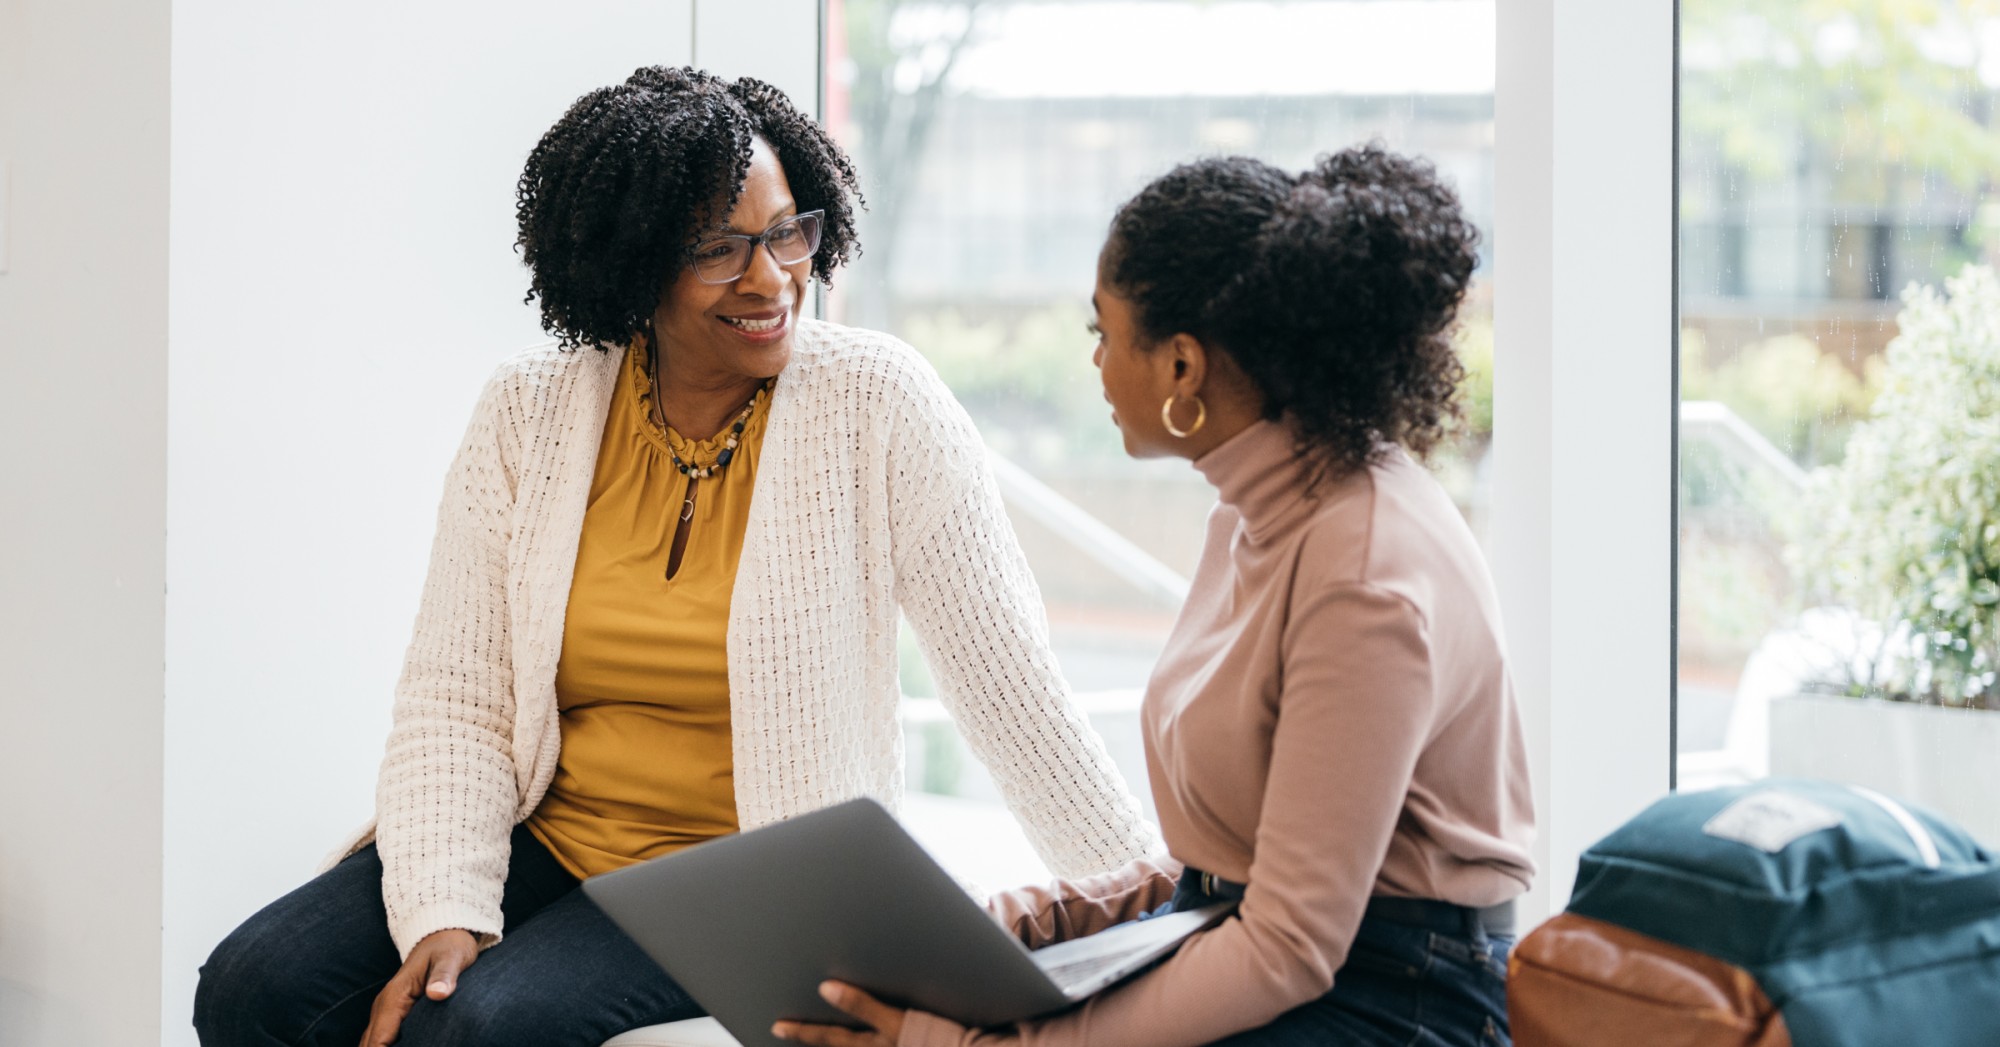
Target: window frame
(1585, 509)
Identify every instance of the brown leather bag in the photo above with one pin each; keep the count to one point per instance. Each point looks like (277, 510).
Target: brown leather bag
(1579, 982)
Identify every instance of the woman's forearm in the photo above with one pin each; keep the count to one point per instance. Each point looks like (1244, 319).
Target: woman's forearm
(968, 594)
(966, 589)
(445, 798)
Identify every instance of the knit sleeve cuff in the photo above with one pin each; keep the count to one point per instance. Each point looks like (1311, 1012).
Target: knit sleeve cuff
(407, 929)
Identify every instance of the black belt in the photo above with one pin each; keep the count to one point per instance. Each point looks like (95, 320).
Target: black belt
(1214, 886)
(1427, 913)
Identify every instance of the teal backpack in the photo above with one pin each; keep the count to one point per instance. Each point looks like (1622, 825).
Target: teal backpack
(1866, 923)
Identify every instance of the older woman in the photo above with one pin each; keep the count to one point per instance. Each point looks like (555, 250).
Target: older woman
(1332, 733)
(663, 600)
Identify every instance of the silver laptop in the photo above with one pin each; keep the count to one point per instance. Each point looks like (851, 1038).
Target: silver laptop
(751, 924)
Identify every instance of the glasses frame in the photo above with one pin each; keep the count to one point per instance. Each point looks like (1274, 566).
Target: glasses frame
(817, 228)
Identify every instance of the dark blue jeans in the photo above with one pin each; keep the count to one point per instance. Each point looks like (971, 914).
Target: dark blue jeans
(1429, 979)
(306, 969)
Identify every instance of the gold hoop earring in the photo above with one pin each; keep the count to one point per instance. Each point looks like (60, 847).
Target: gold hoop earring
(1167, 418)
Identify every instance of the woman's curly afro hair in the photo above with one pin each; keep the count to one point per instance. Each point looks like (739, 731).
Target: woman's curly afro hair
(1335, 290)
(625, 183)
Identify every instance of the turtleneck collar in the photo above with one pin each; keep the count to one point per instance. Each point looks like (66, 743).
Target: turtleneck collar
(1256, 473)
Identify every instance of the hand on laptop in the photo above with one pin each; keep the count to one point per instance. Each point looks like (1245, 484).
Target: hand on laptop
(885, 1022)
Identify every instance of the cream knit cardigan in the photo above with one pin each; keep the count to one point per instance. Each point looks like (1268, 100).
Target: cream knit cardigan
(873, 495)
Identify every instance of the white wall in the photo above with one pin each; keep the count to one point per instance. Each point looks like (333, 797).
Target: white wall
(776, 41)
(343, 282)
(1583, 314)
(1523, 439)
(83, 328)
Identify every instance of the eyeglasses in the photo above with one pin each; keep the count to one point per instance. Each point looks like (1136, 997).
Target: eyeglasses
(724, 258)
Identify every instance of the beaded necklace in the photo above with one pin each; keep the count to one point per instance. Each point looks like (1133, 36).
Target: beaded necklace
(729, 442)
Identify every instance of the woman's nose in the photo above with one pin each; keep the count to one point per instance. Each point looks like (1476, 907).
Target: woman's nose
(764, 278)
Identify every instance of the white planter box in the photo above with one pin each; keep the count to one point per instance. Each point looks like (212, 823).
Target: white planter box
(1947, 760)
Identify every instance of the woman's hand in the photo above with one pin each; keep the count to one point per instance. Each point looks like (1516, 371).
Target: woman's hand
(885, 1023)
(432, 970)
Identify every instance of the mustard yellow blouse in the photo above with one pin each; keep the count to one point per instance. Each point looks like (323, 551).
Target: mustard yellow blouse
(643, 682)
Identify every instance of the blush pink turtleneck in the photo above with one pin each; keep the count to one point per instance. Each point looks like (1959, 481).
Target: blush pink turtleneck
(1332, 720)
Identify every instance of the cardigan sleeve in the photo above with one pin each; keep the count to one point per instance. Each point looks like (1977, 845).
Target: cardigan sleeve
(965, 587)
(1068, 909)
(445, 796)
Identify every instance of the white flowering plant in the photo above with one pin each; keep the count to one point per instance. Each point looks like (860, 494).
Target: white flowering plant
(1905, 530)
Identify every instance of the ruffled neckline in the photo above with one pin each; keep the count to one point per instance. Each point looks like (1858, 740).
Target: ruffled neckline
(697, 453)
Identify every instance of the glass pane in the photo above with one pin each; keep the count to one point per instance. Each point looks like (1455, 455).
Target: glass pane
(995, 139)
(1840, 381)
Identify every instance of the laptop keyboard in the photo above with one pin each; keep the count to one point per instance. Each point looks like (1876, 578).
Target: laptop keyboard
(1083, 965)
(1081, 970)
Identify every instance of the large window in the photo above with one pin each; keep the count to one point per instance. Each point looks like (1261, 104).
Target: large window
(1840, 379)
(994, 140)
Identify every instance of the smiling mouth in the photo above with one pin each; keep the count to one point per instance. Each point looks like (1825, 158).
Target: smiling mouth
(744, 323)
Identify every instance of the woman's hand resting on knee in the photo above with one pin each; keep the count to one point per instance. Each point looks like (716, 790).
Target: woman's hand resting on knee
(432, 970)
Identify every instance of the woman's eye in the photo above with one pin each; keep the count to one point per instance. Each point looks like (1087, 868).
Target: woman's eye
(786, 235)
(713, 251)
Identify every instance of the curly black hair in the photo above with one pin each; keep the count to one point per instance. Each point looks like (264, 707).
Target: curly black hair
(620, 188)
(1335, 290)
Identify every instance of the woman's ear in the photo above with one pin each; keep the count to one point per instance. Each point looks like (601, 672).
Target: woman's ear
(1188, 361)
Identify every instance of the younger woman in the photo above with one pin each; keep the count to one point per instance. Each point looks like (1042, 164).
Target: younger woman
(1332, 734)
